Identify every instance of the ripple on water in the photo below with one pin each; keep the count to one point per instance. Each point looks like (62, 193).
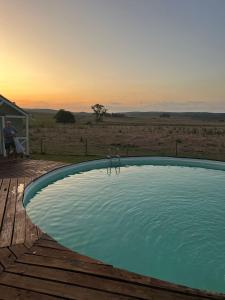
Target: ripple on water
(162, 221)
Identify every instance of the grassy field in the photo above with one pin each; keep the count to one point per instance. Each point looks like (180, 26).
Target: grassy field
(183, 136)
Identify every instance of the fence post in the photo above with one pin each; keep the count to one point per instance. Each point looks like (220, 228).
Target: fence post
(178, 141)
(86, 147)
(42, 146)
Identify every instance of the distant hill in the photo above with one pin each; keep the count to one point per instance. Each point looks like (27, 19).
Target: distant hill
(190, 115)
(51, 111)
(204, 116)
(41, 110)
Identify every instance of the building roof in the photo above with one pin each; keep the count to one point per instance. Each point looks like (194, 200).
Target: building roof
(12, 105)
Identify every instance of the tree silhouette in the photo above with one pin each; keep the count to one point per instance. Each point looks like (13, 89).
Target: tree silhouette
(99, 111)
(64, 116)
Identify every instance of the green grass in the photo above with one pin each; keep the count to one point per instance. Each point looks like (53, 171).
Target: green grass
(65, 158)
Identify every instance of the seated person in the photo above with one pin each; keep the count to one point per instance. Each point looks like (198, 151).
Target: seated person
(9, 133)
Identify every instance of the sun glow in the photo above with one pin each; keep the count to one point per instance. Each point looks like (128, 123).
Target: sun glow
(73, 54)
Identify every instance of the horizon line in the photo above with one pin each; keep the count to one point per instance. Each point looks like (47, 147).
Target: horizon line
(132, 111)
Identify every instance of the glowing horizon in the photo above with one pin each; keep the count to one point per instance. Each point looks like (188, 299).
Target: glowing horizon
(166, 55)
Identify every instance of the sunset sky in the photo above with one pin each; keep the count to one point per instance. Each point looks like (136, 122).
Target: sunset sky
(142, 55)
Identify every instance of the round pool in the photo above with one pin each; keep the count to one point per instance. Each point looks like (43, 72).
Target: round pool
(161, 217)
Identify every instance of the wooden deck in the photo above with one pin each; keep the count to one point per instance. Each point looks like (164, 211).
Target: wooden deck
(34, 266)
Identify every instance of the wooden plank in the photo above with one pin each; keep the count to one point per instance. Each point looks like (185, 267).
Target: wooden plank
(110, 273)
(6, 257)
(47, 237)
(9, 293)
(3, 198)
(9, 216)
(28, 180)
(20, 215)
(31, 232)
(4, 252)
(57, 288)
(94, 282)
(20, 190)
(18, 250)
(50, 244)
(79, 266)
(61, 254)
(27, 168)
(39, 232)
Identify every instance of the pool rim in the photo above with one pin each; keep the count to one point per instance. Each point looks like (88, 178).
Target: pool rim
(165, 284)
(183, 162)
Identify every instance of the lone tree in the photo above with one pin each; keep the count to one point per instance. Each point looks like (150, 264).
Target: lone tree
(99, 111)
(64, 116)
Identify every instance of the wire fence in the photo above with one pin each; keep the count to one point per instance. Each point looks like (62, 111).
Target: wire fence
(188, 141)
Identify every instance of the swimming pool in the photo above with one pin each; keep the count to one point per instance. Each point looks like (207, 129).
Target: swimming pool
(161, 217)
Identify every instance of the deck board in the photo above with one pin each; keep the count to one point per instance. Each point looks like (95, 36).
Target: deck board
(9, 293)
(9, 216)
(35, 266)
(62, 254)
(98, 283)
(3, 198)
(31, 234)
(20, 215)
(18, 250)
(57, 288)
(6, 257)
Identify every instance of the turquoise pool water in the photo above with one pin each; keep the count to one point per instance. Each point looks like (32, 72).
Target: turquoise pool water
(157, 217)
